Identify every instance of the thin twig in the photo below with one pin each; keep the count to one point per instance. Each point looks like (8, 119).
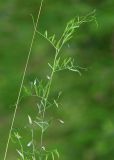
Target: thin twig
(21, 85)
(42, 34)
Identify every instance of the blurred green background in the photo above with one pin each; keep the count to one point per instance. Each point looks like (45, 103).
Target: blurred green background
(87, 100)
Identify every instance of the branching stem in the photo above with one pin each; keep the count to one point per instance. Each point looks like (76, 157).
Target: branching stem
(47, 95)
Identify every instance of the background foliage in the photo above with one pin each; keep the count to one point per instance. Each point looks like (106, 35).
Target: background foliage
(87, 100)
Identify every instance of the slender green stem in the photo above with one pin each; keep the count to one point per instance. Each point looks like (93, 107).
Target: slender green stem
(21, 146)
(42, 34)
(21, 85)
(33, 147)
(47, 95)
(47, 39)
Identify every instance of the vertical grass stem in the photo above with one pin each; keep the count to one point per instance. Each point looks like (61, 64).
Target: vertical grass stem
(22, 81)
